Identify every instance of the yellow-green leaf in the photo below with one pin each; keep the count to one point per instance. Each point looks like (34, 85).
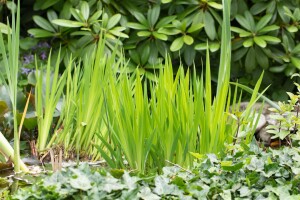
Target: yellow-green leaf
(260, 42)
(68, 23)
(215, 5)
(188, 39)
(144, 33)
(248, 42)
(177, 44)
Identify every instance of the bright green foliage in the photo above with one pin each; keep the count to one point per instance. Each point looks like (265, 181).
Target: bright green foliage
(248, 173)
(176, 116)
(83, 111)
(10, 56)
(286, 117)
(48, 91)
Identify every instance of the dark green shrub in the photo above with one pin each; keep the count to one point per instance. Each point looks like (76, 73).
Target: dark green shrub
(264, 33)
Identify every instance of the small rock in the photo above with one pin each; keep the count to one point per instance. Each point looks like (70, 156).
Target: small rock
(261, 122)
(31, 161)
(264, 137)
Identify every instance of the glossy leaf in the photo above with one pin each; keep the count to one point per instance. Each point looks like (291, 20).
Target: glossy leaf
(263, 22)
(268, 29)
(4, 28)
(195, 27)
(68, 23)
(95, 16)
(118, 33)
(243, 22)
(292, 29)
(239, 54)
(134, 55)
(47, 4)
(177, 44)
(296, 62)
(43, 23)
(261, 58)
(153, 15)
(258, 8)
(137, 26)
(209, 26)
(145, 53)
(85, 10)
(40, 33)
(215, 5)
(113, 21)
(188, 39)
(165, 21)
(141, 18)
(296, 49)
(201, 46)
(248, 42)
(260, 42)
(160, 36)
(189, 55)
(270, 39)
(214, 46)
(278, 69)
(77, 15)
(169, 31)
(250, 61)
(144, 33)
(51, 15)
(239, 30)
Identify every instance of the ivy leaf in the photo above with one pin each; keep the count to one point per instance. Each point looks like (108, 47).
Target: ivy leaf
(256, 164)
(162, 186)
(146, 194)
(244, 191)
(230, 167)
(112, 184)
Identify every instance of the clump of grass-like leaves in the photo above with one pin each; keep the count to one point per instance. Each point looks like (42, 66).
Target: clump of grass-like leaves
(148, 124)
(10, 56)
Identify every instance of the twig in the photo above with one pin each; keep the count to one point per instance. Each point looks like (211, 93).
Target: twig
(176, 165)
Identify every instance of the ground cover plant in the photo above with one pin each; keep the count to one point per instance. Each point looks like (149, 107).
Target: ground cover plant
(247, 173)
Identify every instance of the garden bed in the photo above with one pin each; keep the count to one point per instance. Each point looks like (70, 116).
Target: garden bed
(246, 173)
